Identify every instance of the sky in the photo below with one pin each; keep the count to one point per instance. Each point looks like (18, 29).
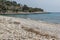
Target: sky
(47, 5)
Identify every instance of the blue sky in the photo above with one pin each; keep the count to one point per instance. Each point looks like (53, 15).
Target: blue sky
(47, 5)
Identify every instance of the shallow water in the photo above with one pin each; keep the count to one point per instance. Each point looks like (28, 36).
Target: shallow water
(51, 17)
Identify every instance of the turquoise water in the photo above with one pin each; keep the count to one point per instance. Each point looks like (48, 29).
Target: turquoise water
(51, 17)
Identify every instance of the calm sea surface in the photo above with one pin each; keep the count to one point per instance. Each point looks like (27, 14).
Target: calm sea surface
(51, 17)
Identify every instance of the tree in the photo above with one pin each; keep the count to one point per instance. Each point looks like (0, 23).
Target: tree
(2, 0)
(8, 3)
(14, 3)
(18, 5)
(3, 9)
(25, 7)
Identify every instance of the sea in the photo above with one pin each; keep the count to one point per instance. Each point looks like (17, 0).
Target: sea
(50, 17)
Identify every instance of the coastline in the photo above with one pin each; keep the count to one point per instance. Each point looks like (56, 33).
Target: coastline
(25, 13)
(20, 26)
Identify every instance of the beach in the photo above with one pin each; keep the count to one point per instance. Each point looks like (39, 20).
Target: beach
(26, 29)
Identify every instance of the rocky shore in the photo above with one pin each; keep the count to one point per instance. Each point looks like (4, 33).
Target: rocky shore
(24, 13)
(25, 29)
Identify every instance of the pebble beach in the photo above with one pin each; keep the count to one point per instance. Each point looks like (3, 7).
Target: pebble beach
(12, 28)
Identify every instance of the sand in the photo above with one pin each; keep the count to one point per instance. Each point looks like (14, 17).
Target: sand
(12, 28)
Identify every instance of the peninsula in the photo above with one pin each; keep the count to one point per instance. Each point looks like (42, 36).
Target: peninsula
(12, 7)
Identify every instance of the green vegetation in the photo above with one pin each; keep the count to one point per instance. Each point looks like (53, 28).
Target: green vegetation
(12, 6)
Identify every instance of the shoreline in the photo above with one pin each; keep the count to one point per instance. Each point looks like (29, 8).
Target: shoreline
(43, 29)
(25, 13)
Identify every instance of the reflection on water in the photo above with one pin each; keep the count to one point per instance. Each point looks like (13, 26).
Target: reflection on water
(53, 17)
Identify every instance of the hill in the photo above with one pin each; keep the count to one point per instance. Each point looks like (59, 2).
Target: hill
(13, 6)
